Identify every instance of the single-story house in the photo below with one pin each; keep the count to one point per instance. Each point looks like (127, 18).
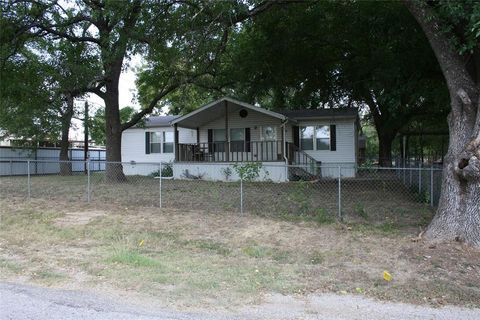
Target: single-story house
(215, 136)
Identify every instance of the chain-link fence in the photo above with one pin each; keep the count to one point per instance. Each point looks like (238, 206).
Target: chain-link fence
(344, 192)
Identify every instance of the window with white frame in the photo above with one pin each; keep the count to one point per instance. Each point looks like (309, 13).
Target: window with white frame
(167, 142)
(155, 142)
(322, 136)
(306, 137)
(315, 137)
(160, 142)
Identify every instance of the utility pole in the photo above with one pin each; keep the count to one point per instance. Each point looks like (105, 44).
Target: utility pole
(85, 130)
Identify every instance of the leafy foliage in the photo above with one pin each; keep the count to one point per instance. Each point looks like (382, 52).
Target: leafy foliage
(97, 123)
(248, 171)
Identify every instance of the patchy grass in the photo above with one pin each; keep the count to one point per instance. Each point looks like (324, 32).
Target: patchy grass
(199, 258)
(371, 196)
(131, 258)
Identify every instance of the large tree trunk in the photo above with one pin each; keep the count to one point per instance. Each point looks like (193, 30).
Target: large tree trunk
(458, 213)
(113, 131)
(66, 167)
(385, 142)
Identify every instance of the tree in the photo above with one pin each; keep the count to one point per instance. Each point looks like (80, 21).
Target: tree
(180, 39)
(325, 54)
(97, 123)
(46, 77)
(453, 31)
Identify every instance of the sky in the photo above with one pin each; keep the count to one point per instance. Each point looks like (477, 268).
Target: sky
(127, 91)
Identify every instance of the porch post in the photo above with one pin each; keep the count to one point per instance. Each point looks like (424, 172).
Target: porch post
(283, 141)
(175, 141)
(198, 136)
(227, 134)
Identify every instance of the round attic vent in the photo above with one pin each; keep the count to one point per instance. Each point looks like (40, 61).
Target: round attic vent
(243, 113)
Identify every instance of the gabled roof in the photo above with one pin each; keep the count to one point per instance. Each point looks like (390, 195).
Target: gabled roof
(216, 108)
(159, 121)
(320, 113)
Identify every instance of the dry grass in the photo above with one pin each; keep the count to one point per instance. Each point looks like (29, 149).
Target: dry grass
(210, 259)
(379, 199)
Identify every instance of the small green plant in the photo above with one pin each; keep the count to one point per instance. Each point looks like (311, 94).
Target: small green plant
(248, 171)
(360, 210)
(227, 173)
(132, 258)
(323, 217)
(255, 251)
(299, 196)
(167, 171)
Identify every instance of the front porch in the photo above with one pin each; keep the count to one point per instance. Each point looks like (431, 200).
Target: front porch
(228, 130)
(238, 151)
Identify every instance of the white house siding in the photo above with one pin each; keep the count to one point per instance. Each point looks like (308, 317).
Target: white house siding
(344, 156)
(133, 144)
(270, 171)
(255, 120)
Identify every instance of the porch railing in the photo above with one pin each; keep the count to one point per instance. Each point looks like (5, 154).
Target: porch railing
(234, 151)
(298, 157)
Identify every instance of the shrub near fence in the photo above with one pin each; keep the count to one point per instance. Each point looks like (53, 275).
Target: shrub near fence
(372, 194)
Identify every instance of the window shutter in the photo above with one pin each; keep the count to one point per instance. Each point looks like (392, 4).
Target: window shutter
(247, 139)
(210, 140)
(147, 142)
(333, 137)
(296, 136)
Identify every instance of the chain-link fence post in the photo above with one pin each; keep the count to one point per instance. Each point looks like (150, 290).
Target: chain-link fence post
(29, 190)
(420, 178)
(241, 196)
(160, 185)
(431, 185)
(340, 193)
(88, 180)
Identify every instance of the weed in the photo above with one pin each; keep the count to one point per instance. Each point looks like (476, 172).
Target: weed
(132, 258)
(316, 257)
(360, 210)
(227, 173)
(387, 227)
(255, 251)
(210, 245)
(323, 217)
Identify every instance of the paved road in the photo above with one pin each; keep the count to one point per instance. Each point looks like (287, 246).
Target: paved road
(21, 302)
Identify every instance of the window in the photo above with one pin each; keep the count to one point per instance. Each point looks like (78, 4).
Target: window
(155, 142)
(167, 142)
(161, 141)
(306, 137)
(315, 138)
(219, 140)
(269, 133)
(237, 139)
(322, 135)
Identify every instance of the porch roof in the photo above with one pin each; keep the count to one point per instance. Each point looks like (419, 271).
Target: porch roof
(215, 109)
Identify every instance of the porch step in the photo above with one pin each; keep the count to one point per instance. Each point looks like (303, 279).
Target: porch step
(300, 174)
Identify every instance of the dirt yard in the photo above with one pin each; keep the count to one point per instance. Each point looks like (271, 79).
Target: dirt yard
(192, 259)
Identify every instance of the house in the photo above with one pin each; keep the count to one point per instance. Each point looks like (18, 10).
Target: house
(215, 136)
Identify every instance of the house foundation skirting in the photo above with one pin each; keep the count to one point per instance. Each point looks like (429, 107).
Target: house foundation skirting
(225, 171)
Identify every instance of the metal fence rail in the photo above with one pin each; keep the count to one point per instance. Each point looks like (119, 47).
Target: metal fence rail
(270, 189)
